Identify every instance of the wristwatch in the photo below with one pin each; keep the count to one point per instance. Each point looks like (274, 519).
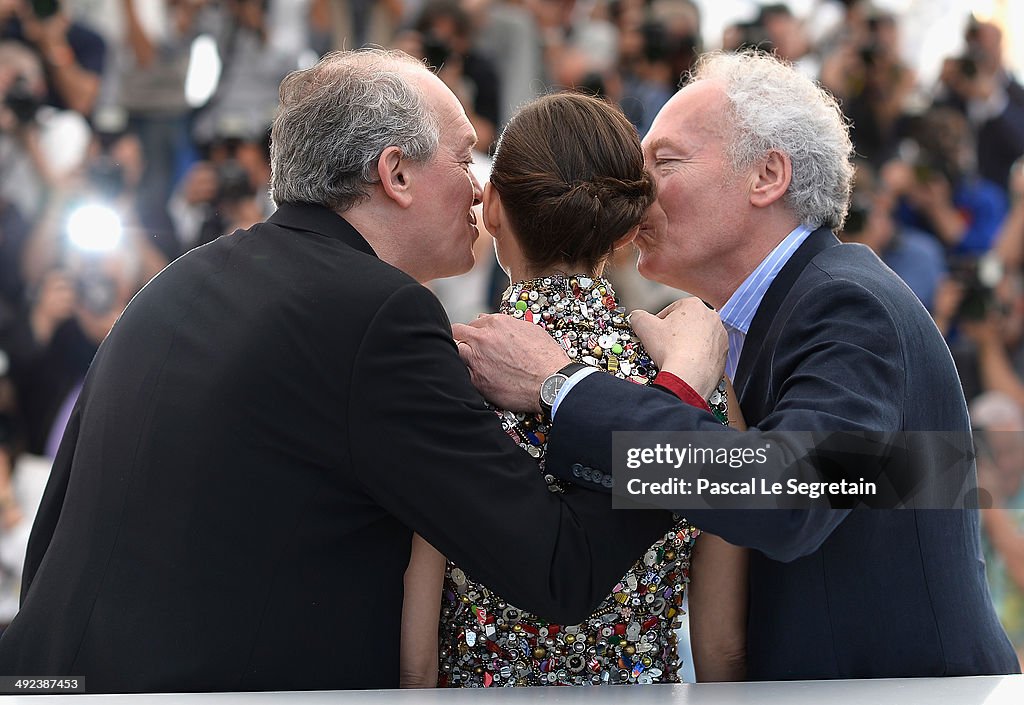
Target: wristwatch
(549, 388)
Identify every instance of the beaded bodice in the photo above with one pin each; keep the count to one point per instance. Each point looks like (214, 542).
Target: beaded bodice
(630, 638)
(582, 314)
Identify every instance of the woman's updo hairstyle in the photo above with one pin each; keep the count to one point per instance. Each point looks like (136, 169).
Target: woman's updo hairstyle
(570, 173)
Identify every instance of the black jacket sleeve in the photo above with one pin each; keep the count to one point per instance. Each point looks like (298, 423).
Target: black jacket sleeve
(447, 470)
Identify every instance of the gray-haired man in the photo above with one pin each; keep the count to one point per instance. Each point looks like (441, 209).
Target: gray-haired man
(752, 166)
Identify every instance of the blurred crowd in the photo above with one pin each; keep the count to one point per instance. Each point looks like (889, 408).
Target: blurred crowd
(134, 130)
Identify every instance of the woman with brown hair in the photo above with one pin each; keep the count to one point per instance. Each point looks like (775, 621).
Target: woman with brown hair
(567, 189)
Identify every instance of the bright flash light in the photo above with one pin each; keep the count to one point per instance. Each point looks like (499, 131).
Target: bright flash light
(95, 228)
(204, 67)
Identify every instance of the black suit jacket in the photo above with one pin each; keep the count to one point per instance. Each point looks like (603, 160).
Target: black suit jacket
(839, 343)
(258, 437)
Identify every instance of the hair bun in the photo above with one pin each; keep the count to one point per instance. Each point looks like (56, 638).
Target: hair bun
(586, 189)
(610, 188)
(607, 189)
(582, 199)
(607, 202)
(570, 173)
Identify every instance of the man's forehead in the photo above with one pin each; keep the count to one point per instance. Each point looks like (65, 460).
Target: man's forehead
(697, 109)
(438, 96)
(449, 112)
(457, 137)
(457, 132)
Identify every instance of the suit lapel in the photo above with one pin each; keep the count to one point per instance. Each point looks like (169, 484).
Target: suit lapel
(821, 239)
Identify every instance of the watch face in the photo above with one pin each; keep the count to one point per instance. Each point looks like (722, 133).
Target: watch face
(549, 389)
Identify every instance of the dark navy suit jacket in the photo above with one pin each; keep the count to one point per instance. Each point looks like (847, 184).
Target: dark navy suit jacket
(839, 343)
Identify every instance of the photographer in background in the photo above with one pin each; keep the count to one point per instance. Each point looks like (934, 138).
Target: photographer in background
(998, 335)
(443, 36)
(24, 170)
(939, 192)
(935, 177)
(655, 53)
(978, 84)
(84, 260)
(226, 191)
(776, 29)
(72, 54)
(20, 182)
(73, 309)
(867, 75)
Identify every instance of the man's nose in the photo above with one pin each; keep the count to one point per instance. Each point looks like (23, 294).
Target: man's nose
(478, 192)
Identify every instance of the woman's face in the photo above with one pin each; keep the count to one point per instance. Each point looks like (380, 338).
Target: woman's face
(506, 249)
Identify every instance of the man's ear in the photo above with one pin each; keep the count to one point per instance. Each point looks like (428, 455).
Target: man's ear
(394, 174)
(771, 179)
(494, 211)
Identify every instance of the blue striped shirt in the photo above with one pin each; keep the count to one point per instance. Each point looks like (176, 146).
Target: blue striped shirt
(739, 310)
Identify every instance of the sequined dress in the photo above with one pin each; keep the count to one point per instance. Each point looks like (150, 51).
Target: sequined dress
(631, 637)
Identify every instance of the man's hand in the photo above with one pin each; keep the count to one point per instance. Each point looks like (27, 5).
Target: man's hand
(897, 177)
(49, 33)
(932, 194)
(508, 359)
(986, 334)
(688, 340)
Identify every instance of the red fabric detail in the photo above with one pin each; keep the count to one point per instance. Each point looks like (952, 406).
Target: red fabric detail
(686, 393)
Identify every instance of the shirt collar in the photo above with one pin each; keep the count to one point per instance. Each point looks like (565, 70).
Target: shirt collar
(739, 310)
(314, 218)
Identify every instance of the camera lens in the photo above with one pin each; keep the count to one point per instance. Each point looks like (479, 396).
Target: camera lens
(968, 67)
(97, 292)
(22, 101)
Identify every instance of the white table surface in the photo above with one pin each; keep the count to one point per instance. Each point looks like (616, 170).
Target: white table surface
(914, 691)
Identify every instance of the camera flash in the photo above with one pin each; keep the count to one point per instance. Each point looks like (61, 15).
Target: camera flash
(94, 228)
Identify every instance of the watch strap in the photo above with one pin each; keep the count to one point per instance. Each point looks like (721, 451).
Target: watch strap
(566, 372)
(571, 369)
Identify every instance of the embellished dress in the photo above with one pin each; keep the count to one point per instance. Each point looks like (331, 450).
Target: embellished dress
(631, 637)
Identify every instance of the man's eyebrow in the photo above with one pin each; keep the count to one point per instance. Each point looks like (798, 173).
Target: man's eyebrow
(659, 143)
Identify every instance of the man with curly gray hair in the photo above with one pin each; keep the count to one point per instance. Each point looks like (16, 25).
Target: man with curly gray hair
(274, 415)
(752, 165)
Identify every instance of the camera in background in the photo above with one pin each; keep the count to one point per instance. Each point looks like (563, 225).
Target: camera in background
(979, 277)
(45, 8)
(22, 101)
